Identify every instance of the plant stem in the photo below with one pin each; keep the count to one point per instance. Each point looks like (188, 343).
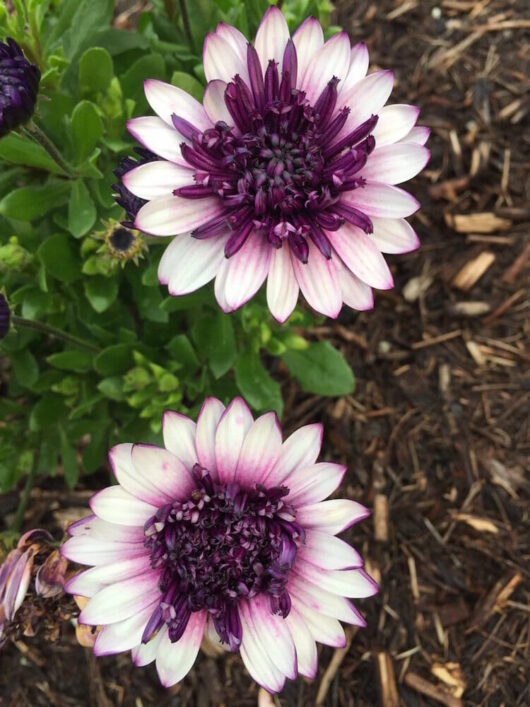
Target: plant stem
(33, 131)
(56, 333)
(186, 22)
(19, 517)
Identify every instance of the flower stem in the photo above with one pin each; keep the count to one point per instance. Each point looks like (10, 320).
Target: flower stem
(19, 517)
(33, 131)
(55, 333)
(186, 22)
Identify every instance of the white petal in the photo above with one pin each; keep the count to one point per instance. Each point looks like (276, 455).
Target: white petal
(102, 530)
(366, 98)
(359, 61)
(135, 481)
(321, 600)
(308, 39)
(257, 661)
(355, 293)
(91, 581)
(394, 235)
(383, 200)
(361, 256)
(282, 286)
(167, 100)
(154, 134)
(99, 551)
(331, 516)
(417, 136)
(311, 484)
(328, 552)
(274, 635)
(121, 600)
(123, 635)
(179, 437)
(165, 470)
(221, 61)
(272, 37)
(175, 660)
(232, 429)
(301, 449)
(145, 653)
(189, 263)
(324, 629)
(348, 583)
(397, 163)
(214, 102)
(245, 271)
(207, 421)
(260, 450)
(117, 506)
(395, 122)
(318, 282)
(235, 38)
(306, 649)
(155, 179)
(171, 215)
(333, 59)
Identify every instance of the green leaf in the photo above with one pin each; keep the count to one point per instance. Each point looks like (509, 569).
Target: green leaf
(182, 351)
(68, 456)
(320, 369)
(87, 129)
(214, 336)
(78, 21)
(101, 292)
(117, 41)
(25, 368)
(22, 150)
(188, 83)
(59, 256)
(151, 66)
(96, 70)
(81, 210)
(46, 413)
(112, 387)
(256, 385)
(28, 203)
(79, 361)
(114, 359)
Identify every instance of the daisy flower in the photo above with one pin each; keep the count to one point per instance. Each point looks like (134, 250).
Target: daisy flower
(223, 534)
(286, 172)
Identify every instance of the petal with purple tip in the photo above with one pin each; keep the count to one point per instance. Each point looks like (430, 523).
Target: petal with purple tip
(155, 179)
(272, 37)
(274, 635)
(396, 163)
(306, 649)
(383, 200)
(258, 663)
(234, 424)
(207, 421)
(333, 59)
(311, 484)
(175, 660)
(282, 286)
(166, 471)
(221, 61)
(123, 635)
(355, 293)
(359, 61)
(121, 600)
(332, 516)
(318, 282)
(156, 136)
(167, 100)
(361, 256)
(394, 235)
(115, 505)
(328, 552)
(179, 437)
(260, 450)
(301, 449)
(308, 39)
(172, 215)
(189, 263)
(395, 122)
(214, 102)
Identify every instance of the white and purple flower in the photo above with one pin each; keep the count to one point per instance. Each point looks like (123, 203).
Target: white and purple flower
(286, 172)
(223, 534)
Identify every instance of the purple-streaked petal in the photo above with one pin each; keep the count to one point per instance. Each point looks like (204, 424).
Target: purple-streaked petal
(98, 529)
(123, 635)
(175, 660)
(311, 484)
(17, 584)
(179, 437)
(397, 163)
(121, 600)
(301, 449)
(274, 635)
(145, 653)
(234, 424)
(383, 200)
(366, 98)
(318, 282)
(243, 273)
(321, 600)
(308, 39)
(394, 235)
(115, 505)
(417, 136)
(324, 629)
(359, 61)
(136, 481)
(207, 421)
(257, 661)
(328, 552)
(88, 583)
(306, 649)
(171, 215)
(361, 256)
(166, 471)
(332, 516)
(355, 292)
(101, 551)
(282, 286)
(221, 61)
(333, 59)
(156, 136)
(234, 37)
(167, 100)
(260, 450)
(155, 179)
(188, 263)
(214, 102)
(395, 122)
(271, 37)
(345, 583)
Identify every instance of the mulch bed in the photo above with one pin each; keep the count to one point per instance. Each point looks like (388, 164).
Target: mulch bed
(436, 436)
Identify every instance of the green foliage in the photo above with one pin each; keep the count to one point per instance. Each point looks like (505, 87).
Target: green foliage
(110, 350)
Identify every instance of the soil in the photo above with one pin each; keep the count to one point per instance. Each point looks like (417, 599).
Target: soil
(436, 435)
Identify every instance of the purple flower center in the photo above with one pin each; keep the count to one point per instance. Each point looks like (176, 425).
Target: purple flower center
(283, 166)
(223, 544)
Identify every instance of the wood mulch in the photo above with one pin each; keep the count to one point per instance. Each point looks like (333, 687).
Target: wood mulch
(436, 436)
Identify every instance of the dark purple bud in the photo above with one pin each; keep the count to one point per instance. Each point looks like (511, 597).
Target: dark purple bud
(352, 138)
(5, 316)
(19, 86)
(290, 63)
(185, 128)
(256, 76)
(354, 216)
(130, 203)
